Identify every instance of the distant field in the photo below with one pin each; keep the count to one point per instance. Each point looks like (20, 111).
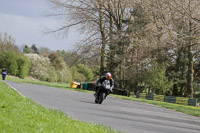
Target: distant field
(21, 115)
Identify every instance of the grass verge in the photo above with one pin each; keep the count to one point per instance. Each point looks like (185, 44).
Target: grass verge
(34, 81)
(19, 114)
(51, 84)
(191, 110)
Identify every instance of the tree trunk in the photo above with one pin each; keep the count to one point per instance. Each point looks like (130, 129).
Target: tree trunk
(190, 73)
(102, 67)
(103, 45)
(111, 49)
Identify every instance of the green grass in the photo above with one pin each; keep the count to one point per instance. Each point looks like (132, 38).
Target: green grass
(51, 84)
(34, 81)
(20, 115)
(191, 110)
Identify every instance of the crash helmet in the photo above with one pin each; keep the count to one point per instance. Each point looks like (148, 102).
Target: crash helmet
(108, 76)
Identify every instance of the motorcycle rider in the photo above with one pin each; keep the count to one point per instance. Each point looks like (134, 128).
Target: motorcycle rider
(101, 80)
(3, 72)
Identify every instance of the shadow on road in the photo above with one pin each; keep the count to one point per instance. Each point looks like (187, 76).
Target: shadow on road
(87, 102)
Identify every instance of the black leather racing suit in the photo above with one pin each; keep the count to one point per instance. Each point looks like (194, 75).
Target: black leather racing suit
(101, 80)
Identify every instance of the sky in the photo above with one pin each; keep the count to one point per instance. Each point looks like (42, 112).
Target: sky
(25, 21)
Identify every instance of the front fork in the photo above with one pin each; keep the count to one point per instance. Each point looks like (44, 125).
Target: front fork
(105, 94)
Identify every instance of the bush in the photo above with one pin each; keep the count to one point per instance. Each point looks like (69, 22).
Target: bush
(156, 79)
(23, 66)
(8, 60)
(74, 72)
(197, 96)
(64, 75)
(87, 72)
(53, 77)
(40, 67)
(96, 72)
(16, 64)
(56, 61)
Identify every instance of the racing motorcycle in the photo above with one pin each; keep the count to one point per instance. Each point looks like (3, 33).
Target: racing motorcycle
(104, 90)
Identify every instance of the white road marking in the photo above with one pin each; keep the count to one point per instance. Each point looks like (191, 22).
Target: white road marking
(14, 88)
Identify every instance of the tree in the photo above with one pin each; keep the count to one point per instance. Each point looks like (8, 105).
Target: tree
(64, 75)
(34, 49)
(27, 50)
(8, 60)
(56, 61)
(157, 81)
(132, 36)
(16, 64)
(44, 50)
(40, 67)
(85, 71)
(179, 24)
(23, 65)
(7, 43)
(177, 71)
(71, 58)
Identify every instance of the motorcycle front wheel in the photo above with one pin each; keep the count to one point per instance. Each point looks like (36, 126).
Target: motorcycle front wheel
(101, 97)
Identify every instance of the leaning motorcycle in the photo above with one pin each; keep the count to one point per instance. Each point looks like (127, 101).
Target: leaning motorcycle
(103, 91)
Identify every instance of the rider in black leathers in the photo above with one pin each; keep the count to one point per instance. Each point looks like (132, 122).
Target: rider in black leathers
(101, 80)
(3, 73)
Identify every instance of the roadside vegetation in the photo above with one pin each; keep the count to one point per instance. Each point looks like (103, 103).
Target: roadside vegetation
(20, 114)
(191, 110)
(38, 82)
(149, 46)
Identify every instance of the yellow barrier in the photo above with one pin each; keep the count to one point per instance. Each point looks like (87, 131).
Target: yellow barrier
(158, 98)
(142, 95)
(182, 100)
(74, 84)
(170, 99)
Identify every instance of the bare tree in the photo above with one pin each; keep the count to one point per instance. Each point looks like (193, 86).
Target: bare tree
(88, 15)
(178, 18)
(7, 43)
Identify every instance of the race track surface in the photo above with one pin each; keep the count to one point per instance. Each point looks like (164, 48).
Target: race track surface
(121, 115)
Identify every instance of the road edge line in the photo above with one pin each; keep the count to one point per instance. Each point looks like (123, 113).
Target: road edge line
(14, 88)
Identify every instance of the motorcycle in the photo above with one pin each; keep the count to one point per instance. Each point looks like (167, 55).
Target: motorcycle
(103, 91)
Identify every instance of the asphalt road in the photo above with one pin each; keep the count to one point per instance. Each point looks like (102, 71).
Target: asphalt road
(121, 115)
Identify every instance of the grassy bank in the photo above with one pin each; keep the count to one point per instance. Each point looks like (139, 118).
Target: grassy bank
(34, 81)
(191, 110)
(51, 84)
(19, 114)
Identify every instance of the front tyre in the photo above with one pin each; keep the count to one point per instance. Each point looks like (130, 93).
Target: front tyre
(96, 99)
(101, 97)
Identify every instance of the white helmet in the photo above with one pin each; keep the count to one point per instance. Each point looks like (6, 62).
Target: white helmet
(108, 76)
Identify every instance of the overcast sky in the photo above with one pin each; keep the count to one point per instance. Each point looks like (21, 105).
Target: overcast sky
(25, 20)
